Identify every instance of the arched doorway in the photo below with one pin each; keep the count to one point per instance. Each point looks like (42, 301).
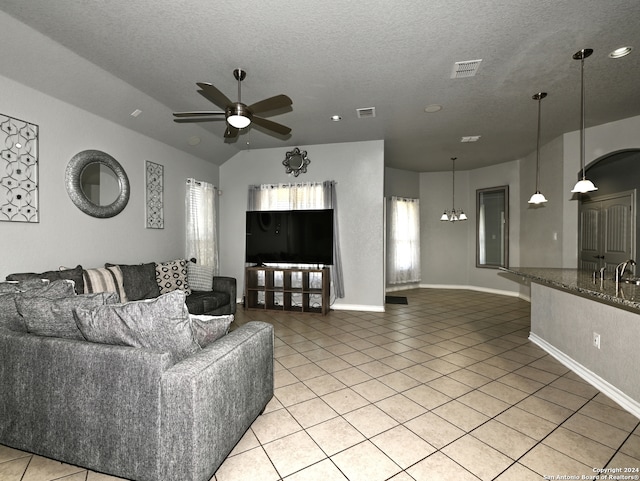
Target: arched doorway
(607, 226)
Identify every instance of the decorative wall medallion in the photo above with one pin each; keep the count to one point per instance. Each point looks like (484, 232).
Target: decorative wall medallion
(296, 161)
(18, 170)
(155, 195)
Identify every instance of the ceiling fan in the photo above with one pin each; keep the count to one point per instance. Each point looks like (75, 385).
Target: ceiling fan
(237, 115)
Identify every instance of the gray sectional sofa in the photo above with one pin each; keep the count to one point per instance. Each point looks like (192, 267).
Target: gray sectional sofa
(207, 294)
(133, 412)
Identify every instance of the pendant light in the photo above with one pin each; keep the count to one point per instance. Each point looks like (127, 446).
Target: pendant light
(538, 198)
(584, 185)
(453, 215)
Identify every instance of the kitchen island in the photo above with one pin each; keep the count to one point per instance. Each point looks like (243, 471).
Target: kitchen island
(589, 324)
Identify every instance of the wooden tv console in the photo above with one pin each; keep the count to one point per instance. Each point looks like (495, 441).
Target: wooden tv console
(287, 289)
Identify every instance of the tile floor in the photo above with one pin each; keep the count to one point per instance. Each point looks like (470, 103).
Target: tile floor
(445, 388)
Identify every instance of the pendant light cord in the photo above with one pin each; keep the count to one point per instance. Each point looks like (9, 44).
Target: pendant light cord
(453, 190)
(582, 125)
(540, 97)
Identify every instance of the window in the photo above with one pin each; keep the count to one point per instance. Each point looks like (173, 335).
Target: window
(403, 256)
(308, 195)
(201, 236)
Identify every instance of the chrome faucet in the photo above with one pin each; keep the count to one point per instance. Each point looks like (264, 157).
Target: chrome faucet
(620, 268)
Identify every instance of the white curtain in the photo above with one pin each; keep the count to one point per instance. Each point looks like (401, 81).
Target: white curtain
(403, 246)
(307, 195)
(286, 196)
(201, 235)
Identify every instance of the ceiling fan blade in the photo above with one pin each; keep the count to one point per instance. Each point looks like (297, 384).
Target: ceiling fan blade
(272, 103)
(231, 132)
(184, 120)
(271, 125)
(213, 95)
(200, 113)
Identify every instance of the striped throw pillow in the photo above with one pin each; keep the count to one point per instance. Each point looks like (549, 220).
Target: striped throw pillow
(106, 279)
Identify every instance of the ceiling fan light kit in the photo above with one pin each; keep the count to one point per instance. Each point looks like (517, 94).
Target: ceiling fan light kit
(237, 115)
(583, 185)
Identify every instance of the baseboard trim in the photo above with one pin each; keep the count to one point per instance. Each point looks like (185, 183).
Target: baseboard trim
(357, 307)
(488, 290)
(402, 287)
(596, 381)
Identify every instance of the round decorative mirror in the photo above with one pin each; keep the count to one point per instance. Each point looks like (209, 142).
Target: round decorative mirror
(97, 184)
(296, 161)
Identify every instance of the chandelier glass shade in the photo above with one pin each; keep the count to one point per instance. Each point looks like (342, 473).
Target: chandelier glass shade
(538, 197)
(583, 185)
(454, 214)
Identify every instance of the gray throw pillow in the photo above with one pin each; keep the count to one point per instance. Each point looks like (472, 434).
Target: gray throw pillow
(9, 315)
(208, 329)
(162, 323)
(44, 316)
(21, 286)
(74, 274)
(139, 280)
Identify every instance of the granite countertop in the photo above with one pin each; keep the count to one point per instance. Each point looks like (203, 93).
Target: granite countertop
(582, 283)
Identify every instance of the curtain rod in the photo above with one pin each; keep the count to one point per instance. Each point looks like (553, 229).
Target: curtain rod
(294, 184)
(199, 182)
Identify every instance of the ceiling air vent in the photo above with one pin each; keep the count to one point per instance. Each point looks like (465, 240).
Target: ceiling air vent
(366, 113)
(465, 69)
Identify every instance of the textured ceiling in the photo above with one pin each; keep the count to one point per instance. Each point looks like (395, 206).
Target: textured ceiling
(333, 57)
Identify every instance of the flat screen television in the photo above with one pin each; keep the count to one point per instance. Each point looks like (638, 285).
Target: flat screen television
(290, 236)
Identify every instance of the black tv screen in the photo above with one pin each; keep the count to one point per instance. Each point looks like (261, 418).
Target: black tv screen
(290, 236)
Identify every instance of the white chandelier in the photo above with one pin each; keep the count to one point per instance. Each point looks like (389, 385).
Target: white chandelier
(453, 215)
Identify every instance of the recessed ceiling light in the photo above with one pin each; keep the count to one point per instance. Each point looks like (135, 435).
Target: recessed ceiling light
(194, 140)
(336, 118)
(470, 138)
(136, 112)
(433, 108)
(621, 52)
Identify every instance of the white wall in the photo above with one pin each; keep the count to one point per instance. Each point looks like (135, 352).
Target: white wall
(507, 173)
(358, 169)
(444, 251)
(448, 249)
(599, 140)
(544, 236)
(541, 226)
(65, 235)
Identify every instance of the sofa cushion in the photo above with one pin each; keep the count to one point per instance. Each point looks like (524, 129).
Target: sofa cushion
(45, 316)
(208, 329)
(139, 280)
(21, 286)
(74, 274)
(10, 318)
(162, 323)
(199, 277)
(200, 302)
(172, 275)
(107, 279)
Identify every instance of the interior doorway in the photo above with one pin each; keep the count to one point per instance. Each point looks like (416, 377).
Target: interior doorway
(607, 231)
